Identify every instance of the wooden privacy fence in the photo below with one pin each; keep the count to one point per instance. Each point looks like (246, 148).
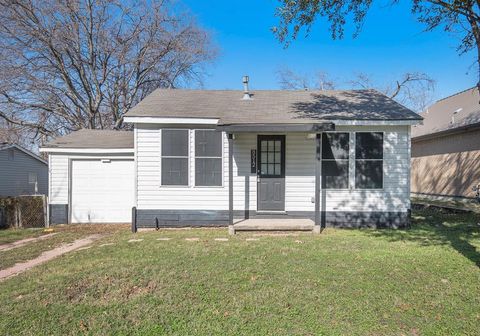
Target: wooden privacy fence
(24, 212)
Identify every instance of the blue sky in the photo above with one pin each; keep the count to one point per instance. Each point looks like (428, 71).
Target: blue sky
(391, 43)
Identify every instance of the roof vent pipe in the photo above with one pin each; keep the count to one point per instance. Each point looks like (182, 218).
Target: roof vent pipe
(455, 112)
(246, 93)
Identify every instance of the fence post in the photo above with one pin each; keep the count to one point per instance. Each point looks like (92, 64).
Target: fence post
(46, 214)
(18, 215)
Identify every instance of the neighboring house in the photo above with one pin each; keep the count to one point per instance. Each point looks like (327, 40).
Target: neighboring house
(203, 157)
(21, 172)
(446, 148)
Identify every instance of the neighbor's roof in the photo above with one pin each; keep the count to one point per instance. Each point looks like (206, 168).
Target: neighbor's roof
(4, 146)
(438, 117)
(271, 106)
(87, 138)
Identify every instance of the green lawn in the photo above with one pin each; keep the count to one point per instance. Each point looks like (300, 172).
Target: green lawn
(11, 235)
(422, 281)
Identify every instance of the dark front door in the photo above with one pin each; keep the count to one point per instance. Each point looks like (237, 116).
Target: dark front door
(271, 173)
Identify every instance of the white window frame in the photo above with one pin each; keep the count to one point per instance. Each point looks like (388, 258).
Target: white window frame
(355, 162)
(208, 157)
(188, 185)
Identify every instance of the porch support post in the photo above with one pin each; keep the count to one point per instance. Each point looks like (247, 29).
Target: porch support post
(318, 168)
(230, 181)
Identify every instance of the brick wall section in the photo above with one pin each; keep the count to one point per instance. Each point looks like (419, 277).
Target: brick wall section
(448, 165)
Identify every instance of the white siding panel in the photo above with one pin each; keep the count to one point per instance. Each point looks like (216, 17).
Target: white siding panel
(299, 180)
(299, 172)
(58, 172)
(151, 195)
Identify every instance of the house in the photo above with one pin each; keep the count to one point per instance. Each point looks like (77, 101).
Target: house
(21, 172)
(446, 148)
(215, 157)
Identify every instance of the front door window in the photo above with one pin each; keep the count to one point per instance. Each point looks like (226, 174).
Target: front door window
(271, 158)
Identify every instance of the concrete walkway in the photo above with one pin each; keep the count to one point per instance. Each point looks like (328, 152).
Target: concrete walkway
(48, 255)
(18, 243)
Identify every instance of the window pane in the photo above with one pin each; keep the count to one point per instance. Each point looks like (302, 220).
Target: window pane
(263, 169)
(335, 174)
(368, 174)
(264, 158)
(264, 145)
(208, 143)
(174, 142)
(271, 146)
(278, 146)
(174, 171)
(277, 169)
(208, 172)
(277, 157)
(335, 145)
(369, 145)
(270, 169)
(271, 157)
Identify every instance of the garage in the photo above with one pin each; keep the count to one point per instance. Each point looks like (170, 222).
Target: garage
(102, 190)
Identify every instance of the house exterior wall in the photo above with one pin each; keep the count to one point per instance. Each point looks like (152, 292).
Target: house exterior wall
(59, 182)
(15, 170)
(447, 165)
(209, 205)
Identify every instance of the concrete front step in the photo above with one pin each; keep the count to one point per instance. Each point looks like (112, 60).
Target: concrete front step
(256, 224)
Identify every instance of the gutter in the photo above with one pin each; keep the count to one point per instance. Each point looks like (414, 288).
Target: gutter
(86, 150)
(469, 127)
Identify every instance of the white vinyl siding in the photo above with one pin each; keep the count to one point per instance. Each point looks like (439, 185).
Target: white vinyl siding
(152, 195)
(299, 178)
(58, 171)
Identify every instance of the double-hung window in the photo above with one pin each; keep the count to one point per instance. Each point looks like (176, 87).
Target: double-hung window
(175, 157)
(335, 154)
(369, 160)
(208, 158)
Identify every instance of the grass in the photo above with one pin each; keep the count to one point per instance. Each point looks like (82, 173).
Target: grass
(11, 235)
(64, 235)
(422, 281)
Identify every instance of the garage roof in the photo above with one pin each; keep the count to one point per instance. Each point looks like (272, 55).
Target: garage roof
(87, 138)
(272, 106)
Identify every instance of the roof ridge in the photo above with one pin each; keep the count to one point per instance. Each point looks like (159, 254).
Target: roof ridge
(455, 94)
(269, 90)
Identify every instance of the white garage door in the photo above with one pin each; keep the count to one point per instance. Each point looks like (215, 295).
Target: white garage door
(102, 191)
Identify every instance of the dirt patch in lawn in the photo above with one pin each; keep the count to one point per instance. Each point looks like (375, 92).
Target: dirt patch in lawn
(48, 255)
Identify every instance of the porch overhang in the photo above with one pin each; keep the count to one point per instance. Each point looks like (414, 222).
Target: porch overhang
(277, 128)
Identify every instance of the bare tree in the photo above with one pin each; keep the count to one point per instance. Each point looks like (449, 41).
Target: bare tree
(66, 65)
(414, 89)
(290, 80)
(12, 134)
(461, 17)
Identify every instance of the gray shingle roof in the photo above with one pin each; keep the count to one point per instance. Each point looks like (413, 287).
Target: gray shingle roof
(271, 106)
(438, 117)
(87, 138)
(6, 145)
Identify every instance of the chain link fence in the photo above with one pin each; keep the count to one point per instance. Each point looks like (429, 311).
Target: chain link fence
(24, 212)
